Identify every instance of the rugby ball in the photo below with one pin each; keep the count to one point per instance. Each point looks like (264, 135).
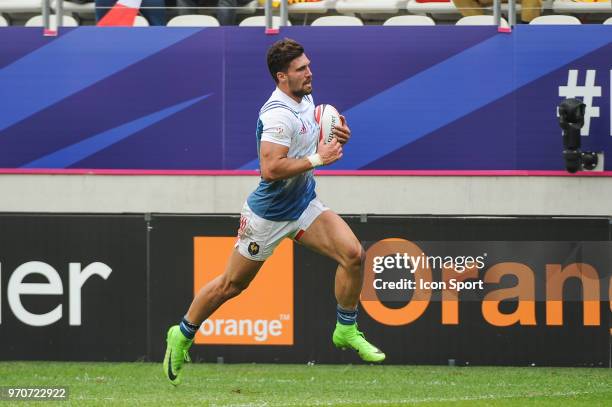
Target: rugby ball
(327, 117)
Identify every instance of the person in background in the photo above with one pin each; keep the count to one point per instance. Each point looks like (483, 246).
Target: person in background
(226, 14)
(530, 8)
(156, 16)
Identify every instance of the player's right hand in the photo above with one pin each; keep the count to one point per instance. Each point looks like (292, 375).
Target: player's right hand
(331, 152)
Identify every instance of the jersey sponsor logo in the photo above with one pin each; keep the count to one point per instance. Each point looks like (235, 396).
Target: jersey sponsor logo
(263, 313)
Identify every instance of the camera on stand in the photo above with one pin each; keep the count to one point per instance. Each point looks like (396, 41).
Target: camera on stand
(571, 120)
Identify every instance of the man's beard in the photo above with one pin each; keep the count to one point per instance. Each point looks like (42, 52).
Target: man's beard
(302, 91)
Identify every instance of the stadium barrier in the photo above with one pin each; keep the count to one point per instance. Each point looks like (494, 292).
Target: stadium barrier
(106, 287)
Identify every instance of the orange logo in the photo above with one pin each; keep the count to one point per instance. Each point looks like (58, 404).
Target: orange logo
(263, 313)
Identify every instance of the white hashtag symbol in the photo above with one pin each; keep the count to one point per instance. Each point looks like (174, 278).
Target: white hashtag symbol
(586, 92)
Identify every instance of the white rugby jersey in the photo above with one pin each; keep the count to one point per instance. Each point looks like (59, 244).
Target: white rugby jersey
(284, 121)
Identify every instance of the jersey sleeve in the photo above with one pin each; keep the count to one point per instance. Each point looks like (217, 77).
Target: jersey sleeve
(278, 127)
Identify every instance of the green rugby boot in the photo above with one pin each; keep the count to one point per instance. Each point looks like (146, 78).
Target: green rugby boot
(348, 336)
(177, 349)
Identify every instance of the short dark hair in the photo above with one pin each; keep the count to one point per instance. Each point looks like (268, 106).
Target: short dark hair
(280, 55)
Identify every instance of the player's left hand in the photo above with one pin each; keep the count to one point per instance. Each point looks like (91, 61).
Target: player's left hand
(342, 132)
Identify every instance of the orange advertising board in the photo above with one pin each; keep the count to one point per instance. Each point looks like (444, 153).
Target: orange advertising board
(263, 313)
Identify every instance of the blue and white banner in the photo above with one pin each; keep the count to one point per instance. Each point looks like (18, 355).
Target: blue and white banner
(442, 98)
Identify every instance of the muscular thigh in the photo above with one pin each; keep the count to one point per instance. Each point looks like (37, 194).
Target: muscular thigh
(331, 236)
(240, 270)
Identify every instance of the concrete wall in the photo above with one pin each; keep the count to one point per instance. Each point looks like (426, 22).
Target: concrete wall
(577, 196)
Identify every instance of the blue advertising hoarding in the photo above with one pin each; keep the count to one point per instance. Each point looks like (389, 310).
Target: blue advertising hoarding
(442, 98)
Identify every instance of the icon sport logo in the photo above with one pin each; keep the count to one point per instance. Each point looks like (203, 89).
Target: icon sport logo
(263, 313)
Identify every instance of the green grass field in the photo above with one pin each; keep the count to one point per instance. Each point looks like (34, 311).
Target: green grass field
(132, 384)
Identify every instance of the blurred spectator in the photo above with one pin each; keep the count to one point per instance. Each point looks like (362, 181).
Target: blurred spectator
(530, 8)
(226, 14)
(155, 16)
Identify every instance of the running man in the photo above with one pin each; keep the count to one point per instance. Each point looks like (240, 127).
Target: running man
(285, 205)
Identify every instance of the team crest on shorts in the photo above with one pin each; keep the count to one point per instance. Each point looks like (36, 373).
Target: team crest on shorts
(253, 248)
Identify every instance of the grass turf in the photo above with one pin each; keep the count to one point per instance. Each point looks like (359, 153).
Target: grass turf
(301, 385)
